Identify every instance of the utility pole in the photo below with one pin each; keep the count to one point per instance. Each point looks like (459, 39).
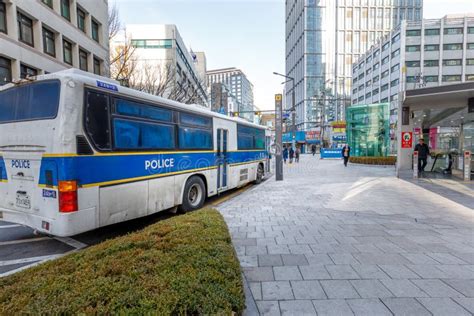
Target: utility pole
(292, 109)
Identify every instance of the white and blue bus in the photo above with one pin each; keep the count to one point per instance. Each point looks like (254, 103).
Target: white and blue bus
(78, 152)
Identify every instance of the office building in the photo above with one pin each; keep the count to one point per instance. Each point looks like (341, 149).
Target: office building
(239, 85)
(415, 55)
(323, 39)
(222, 100)
(163, 64)
(43, 36)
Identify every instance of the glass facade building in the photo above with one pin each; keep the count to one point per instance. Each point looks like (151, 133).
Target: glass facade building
(323, 39)
(368, 129)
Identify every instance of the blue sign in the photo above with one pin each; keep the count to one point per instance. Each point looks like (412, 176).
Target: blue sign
(331, 153)
(49, 193)
(106, 85)
(341, 138)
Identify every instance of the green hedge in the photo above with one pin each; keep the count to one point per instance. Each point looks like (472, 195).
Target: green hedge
(374, 160)
(183, 265)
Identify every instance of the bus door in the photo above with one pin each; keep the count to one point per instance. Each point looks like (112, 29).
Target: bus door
(222, 135)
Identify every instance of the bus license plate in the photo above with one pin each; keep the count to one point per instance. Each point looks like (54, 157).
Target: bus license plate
(23, 201)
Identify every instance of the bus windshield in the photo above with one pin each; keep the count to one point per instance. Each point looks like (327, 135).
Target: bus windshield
(34, 101)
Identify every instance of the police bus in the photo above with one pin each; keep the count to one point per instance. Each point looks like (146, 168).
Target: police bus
(78, 151)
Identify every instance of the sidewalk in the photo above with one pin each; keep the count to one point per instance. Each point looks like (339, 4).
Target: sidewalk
(355, 240)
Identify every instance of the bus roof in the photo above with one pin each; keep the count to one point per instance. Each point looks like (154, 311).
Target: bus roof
(113, 86)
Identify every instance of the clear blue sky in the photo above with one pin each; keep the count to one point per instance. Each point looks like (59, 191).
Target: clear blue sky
(248, 34)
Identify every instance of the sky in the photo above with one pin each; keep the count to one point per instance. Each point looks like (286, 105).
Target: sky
(247, 34)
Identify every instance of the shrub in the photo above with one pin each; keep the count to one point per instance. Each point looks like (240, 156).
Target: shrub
(374, 160)
(183, 265)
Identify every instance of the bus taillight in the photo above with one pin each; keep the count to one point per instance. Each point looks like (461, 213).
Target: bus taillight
(67, 196)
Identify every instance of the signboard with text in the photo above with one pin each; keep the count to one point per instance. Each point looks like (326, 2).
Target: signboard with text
(407, 140)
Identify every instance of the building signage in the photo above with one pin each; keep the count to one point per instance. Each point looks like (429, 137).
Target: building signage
(407, 139)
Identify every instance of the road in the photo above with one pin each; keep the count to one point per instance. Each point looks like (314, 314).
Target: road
(21, 247)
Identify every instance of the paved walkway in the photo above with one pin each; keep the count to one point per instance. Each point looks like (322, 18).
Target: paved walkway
(340, 241)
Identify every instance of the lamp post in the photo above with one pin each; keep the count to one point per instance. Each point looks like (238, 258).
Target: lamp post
(292, 109)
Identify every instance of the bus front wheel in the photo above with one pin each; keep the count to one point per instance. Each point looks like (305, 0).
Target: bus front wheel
(194, 195)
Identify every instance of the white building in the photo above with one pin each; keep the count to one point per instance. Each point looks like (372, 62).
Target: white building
(42, 36)
(323, 39)
(415, 55)
(239, 85)
(160, 54)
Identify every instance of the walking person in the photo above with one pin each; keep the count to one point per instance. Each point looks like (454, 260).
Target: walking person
(423, 152)
(285, 154)
(313, 149)
(346, 153)
(292, 154)
(297, 154)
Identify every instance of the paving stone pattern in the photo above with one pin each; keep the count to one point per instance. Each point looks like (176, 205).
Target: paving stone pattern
(331, 240)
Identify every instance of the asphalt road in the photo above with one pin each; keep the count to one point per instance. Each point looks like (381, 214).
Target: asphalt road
(21, 247)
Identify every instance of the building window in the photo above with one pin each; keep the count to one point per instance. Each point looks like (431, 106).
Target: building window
(384, 87)
(431, 48)
(470, 61)
(470, 30)
(361, 98)
(26, 71)
(412, 48)
(49, 42)
(452, 46)
(413, 32)
(368, 83)
(394, 83)
(385, 74)
(368, 95)
(396, 53)
(376, 66)
(431, 78)
(396, 38)
(385, 60)
(431, 63)
(470, 45)
(354, 91)
(412, 63)
(375, 91)
(3, 19)
(368, 71)
(451, 78)
(25, 29)
(81, 20)
(49, 3)
(452, 62)
(375, 79)
(431, 32)
(376, 53)
(96, 66)
(83, 60)
(369, 59)
(411, 79)
(453, 31)
(396, 67)
(66, 9)
(468, 78)
(385, 46)
(95, 31)
(5, 71)
(67, 52)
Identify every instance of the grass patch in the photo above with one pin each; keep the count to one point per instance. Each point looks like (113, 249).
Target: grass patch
(374, 160)
(182, 265)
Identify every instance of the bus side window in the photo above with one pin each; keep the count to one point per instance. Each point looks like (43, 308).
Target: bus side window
(97, 119)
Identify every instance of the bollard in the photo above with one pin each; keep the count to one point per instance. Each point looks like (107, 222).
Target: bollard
(415, 165)
(467, 165)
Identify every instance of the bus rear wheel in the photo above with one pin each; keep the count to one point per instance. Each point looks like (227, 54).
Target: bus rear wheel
(194, 195)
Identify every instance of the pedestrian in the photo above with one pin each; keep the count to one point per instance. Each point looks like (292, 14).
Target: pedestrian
(313, 149)
(297, 154)
(292, 154)
(346, 153)
(285, 154)
(423, 152)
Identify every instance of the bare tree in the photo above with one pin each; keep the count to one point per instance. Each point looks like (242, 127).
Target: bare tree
(115, 26)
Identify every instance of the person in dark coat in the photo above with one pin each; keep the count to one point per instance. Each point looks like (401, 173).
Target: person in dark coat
(313, 149)
(346, 153)
(285, 154)
(292, 154)
(297, 154)
(423, 153)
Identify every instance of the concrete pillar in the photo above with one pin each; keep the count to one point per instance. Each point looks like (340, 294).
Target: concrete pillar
(404, 155)
(12, 24)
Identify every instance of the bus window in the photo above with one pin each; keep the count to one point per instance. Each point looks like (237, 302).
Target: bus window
(195, 120)
(130, 108)
(195, 138)
(97, 119)
(140, 135)
(34, 101)
(250, 138)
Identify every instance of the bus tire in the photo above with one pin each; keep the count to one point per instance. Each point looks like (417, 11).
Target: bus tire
(194, 195)
(260, 174)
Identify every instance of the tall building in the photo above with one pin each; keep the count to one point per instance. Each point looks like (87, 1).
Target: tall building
(323, 38)
(163, 65)
(419, 54)
(222, 100)
(200, 62)
(43, 36)
(239, 85)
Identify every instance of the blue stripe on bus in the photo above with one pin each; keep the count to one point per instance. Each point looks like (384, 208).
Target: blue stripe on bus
(97, 170)
(3, 170)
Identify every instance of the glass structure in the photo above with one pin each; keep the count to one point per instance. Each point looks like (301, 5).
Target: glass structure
(368, 128)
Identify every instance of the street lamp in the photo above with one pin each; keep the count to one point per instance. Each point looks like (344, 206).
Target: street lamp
(292, 109)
